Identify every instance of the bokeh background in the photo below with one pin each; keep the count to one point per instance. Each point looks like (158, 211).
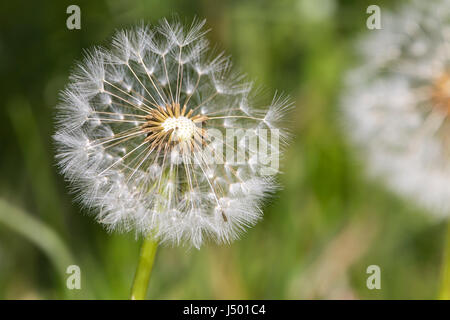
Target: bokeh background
(319, 234)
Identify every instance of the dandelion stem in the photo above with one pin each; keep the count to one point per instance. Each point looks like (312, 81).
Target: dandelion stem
(144, 269)
(445, 277)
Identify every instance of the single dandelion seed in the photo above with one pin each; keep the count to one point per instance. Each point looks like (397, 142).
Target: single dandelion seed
(133, 136)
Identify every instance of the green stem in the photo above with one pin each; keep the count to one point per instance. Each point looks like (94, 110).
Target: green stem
(445, 281)
(144, 269)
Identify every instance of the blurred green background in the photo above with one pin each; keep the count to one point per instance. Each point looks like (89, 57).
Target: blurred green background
(320, 232)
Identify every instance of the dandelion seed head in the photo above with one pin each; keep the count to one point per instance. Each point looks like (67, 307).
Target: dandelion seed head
(397, 105)
(134, 135)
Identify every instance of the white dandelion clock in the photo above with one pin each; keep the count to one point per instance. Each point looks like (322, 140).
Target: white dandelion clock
(398, 103)
(140, 122)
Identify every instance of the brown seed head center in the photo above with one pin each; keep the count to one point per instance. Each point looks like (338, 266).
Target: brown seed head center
(440, 95)
(169, 125)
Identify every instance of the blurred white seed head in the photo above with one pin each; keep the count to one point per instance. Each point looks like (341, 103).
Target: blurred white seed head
(397, 105)
(133, 137)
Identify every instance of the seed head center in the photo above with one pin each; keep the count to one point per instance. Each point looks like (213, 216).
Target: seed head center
(183, 128)
(441, 93)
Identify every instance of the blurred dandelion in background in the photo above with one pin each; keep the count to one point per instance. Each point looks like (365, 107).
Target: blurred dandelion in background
(134, 135)
(397, 105)
(398, 108)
